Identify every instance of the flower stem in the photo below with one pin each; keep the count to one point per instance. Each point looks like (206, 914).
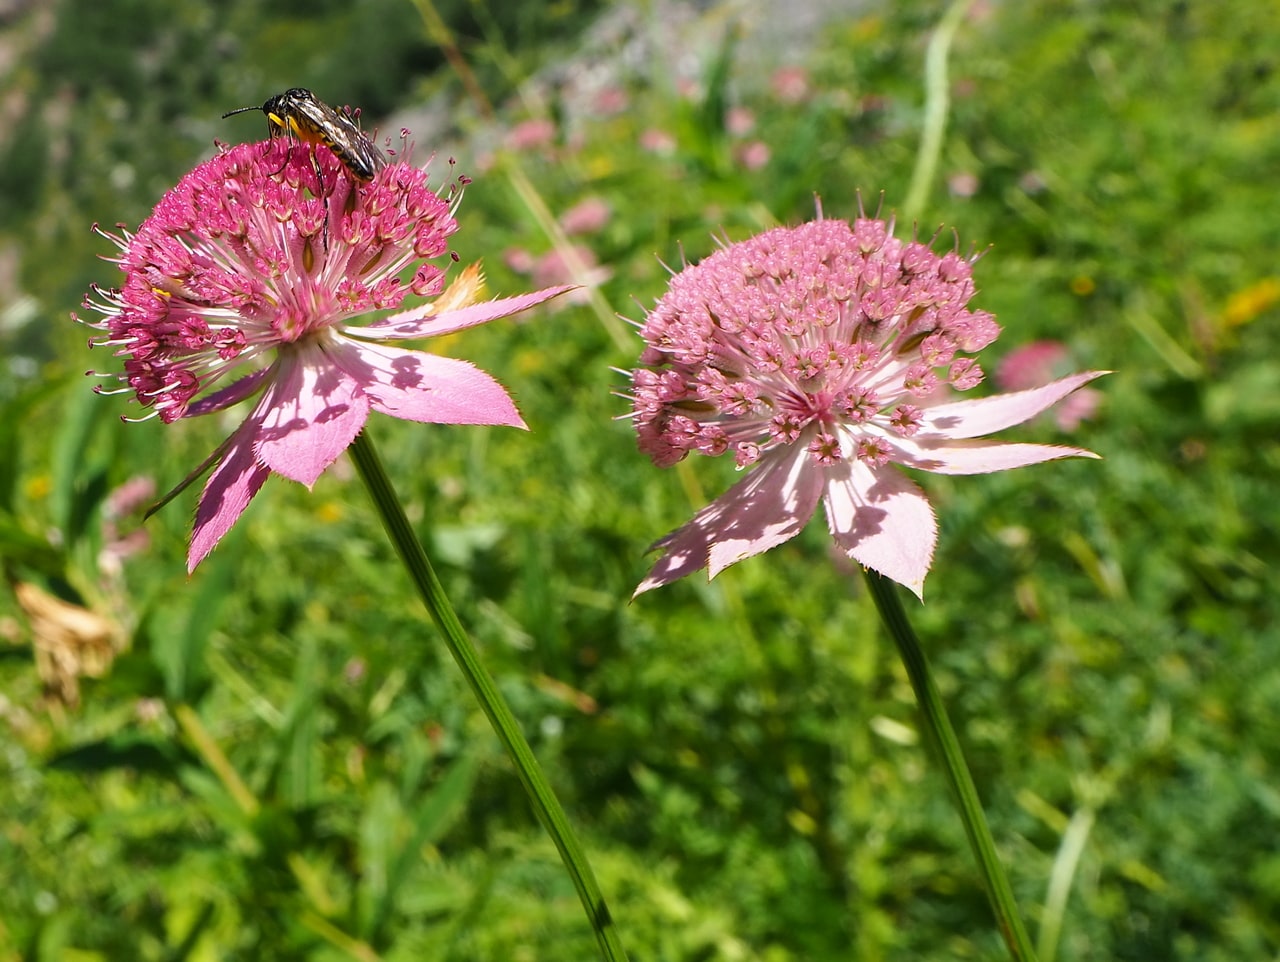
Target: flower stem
(935, 109)
(947, 746)
(545, 804)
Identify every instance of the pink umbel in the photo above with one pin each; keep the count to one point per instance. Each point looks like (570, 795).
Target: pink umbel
(253, 267)
(820, 357)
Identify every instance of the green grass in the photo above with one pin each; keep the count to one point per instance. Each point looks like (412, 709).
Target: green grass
(745, 772)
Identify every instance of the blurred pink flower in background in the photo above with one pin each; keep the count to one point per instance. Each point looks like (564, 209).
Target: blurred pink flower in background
(519, 260)
(131, 498)
(1038, 363)
(588, 216)
(820, 357)
(610, 101)
(963, 184)
(753, 155)
(739, 121)
(253, 267)
(554, 264)
(1032, 182)
(790, 84)
(657, 141)
(532, 134)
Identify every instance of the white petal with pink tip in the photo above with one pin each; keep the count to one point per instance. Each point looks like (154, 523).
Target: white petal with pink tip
(980, 457)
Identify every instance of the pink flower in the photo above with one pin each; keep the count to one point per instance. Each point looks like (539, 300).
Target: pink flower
(739, 121)
(255, 264)
(532, 134)
(577, 267)
(790, 84)
(553, 267)
(587, 216)
(1031, 365)
(754, 154)
(658, 142)
(823, 355)
(963, 183)
(610, 101)
(130, 498)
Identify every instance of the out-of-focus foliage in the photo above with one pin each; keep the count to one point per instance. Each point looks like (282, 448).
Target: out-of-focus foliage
(280, 762)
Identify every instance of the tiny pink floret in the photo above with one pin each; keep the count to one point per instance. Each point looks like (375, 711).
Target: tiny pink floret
(246, 280)
(820, 356)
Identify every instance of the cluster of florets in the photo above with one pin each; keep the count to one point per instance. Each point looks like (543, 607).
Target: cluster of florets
(828, 332)
(263, 246)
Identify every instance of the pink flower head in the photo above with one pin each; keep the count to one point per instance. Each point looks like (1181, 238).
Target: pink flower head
(658, 142)
(963, 183)
(740, 121)
(532, 134)
(753, 155)
(554, 267)
(118, 543)
(790, 84)
(822, 355)
(255, 264)
(610, 101)
(588, 216)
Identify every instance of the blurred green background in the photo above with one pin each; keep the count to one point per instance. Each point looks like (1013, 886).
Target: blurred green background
(277, 760)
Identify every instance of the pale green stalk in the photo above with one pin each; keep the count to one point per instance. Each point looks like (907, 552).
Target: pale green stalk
(936, 100)
(1064, 871)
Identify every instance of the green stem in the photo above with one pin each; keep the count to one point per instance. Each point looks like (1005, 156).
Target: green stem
(545, 804)
(947, 746)
(1070, 850)
(935, 108)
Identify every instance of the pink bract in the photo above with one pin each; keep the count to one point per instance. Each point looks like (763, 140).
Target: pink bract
(250, 271)
(822, 356)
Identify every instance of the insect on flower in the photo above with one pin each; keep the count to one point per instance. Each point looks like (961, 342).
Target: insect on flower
(228, 294)
(300, 115)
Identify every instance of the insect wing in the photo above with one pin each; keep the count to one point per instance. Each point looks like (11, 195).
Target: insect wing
(311, 119)
(298, 114)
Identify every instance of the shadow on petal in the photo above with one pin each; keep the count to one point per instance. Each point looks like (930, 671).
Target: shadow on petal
(882, 520)
(772, 504)
(228, 492)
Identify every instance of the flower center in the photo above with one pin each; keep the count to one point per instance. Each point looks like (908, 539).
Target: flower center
(825, 331)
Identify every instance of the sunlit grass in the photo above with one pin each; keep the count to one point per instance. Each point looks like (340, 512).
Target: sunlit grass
(740, 757)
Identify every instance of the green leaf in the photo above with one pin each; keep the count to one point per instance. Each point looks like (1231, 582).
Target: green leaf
(299, 774)
(387, 856)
